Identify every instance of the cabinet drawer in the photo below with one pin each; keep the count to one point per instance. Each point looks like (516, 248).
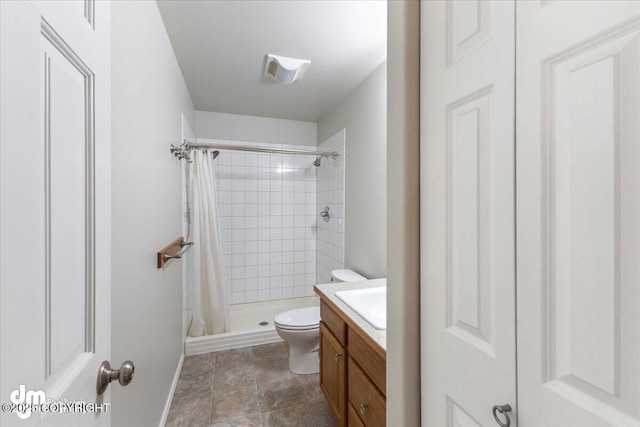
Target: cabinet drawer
(333, 322)
(365, 397)
(372, 363)
(354, 420)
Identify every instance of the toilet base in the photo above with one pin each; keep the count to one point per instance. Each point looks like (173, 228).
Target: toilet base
(303, 340)
(304, 362)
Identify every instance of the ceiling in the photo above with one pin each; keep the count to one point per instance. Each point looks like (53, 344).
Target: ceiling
(221, 48)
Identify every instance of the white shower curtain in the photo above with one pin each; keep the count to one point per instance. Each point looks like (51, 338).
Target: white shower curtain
(210, 308)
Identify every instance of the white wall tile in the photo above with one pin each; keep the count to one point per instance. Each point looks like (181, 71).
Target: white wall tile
(329, 192)
(267, 209)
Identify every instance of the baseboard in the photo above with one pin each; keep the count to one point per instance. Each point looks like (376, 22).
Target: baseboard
(172, 390)
(229, 340)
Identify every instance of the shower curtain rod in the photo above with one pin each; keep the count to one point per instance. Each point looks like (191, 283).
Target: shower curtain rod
(184, 149)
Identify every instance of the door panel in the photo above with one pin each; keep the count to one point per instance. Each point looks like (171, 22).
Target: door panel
(55, 203)
(69, 284)
(578, 205)
(467, 211)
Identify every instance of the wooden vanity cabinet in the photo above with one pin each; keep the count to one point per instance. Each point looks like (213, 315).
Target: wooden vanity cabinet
(333, 361)
(352, 418)
(364, 397)
(352, 372)
(333, 373)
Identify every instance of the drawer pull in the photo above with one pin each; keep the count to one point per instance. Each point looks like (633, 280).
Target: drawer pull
(363, 409)
(337, 357)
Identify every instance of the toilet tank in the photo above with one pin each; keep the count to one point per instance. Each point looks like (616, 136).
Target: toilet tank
(346, 275)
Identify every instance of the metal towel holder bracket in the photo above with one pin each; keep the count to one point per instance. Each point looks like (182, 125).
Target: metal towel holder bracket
(175, 250)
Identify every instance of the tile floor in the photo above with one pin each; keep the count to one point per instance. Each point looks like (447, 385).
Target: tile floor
(247, 387)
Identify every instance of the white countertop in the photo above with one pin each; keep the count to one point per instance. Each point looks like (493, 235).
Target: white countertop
(329, 290)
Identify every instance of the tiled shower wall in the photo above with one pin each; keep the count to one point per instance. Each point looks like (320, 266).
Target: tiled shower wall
(330, 192)
(267, 211)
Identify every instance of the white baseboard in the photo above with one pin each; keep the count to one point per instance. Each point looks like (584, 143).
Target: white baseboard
(229, 340)
(172, 390)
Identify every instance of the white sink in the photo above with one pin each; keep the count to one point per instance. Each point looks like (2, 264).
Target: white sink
(370, 303)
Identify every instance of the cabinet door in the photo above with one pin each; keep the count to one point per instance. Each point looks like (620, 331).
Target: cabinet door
(333, 372)
(578, 210)
(467, 211)
(354, 420)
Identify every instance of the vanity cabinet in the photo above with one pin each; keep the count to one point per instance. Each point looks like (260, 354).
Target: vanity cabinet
(352, 371)
(333, 372)
(368, 403)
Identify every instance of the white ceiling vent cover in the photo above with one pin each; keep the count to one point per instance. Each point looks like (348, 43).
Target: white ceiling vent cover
(286, 70)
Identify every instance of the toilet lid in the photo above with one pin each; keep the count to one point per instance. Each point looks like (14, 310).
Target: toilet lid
(300, 318)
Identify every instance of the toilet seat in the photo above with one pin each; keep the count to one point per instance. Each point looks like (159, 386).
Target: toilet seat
(299, 319)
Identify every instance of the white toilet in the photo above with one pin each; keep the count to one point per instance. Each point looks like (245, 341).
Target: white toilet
(300, 328)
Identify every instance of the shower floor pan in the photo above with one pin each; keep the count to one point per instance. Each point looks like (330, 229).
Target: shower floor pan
(245, 322)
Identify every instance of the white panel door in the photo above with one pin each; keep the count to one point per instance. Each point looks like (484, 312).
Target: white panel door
(54, 205)
(467, 211)
(578, 210)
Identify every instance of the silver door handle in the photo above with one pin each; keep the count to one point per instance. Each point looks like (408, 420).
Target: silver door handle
(124, 375)
(503, 410)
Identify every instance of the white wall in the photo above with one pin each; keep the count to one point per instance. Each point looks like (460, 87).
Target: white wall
(364, 116)
(251, 128)
(403, 275)
(148, 97)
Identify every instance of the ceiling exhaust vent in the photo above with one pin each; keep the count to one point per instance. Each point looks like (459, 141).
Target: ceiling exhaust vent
(286, 70)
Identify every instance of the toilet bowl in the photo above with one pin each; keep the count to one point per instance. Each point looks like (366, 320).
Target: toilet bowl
(300, 328)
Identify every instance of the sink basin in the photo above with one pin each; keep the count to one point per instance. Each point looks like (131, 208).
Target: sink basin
(370, 303)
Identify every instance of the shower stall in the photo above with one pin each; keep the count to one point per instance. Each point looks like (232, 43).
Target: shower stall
(276, 245)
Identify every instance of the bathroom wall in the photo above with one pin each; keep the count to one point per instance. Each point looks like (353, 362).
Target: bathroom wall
(251, 128)
(363, 115)
(148, 97)
(330, 192)
(403, 275)
(267, 206)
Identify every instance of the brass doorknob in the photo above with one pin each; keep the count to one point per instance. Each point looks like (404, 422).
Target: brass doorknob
(124, 375)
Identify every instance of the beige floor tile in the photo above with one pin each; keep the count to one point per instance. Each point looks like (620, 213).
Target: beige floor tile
(250, 387)
(190, 411)
(295, 416)
(198, 364)
(232, 358)
(234, 403)
(321, 414)
(252, 420)
(312, 392)
(273, 350)
(280, 394)
(232, 378)
(272, 369)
